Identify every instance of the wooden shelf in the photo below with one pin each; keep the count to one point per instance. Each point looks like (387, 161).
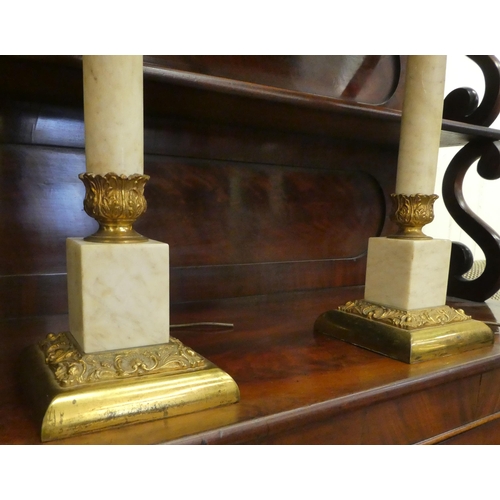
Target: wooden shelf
(267, 197)
(296, 387)
(187, 95)
(303, 112)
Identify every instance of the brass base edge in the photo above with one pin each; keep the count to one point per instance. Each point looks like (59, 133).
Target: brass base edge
(115, 202)
(103, 236)
(64, 412)
(411, 213)
(409, 346)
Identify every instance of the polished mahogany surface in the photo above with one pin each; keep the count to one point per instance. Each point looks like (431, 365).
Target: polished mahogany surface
(366, 79)
(267, 182)
(296, 387)
(250, 189)
(202, 96)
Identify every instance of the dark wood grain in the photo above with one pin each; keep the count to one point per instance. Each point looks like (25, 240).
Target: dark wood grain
(214, 213)
(267, 182)
(210, 212)
(296, 387)
(233, 228)
(245, 210)
(33, 295)
(258, 189)
(488, 433)
(367, 79)
(202, 96)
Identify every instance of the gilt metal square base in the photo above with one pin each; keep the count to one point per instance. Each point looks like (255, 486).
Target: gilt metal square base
(408, 336)
(76, 393)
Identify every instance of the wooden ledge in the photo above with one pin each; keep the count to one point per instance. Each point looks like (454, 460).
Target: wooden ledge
(296, 387)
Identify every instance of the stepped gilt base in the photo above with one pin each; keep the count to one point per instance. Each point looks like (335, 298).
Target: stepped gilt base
(409, 336)
(76, 393)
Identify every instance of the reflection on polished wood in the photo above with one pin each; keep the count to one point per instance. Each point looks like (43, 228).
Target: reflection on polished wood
(266, 182)
(369, 79)
(237, 227)
(296, 387)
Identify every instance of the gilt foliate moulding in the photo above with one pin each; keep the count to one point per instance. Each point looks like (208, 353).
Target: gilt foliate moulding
(115, 202)
(411, 213)
(76, 393)
(71, 367)
(408, 320)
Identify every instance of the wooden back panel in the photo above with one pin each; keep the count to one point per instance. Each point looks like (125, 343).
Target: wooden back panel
(256, 192)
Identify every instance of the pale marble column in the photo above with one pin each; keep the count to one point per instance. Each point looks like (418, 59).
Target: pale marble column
(118, 293)
(407, 274)
(421, 124)
(410, 273)
(114, 116)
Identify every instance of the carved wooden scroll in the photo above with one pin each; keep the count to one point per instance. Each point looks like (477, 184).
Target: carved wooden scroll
(462, 105)
(485, 236)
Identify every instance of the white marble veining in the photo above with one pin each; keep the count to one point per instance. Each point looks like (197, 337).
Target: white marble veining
(113, 114)
(421, 124)
(407, 274)
(118, 294)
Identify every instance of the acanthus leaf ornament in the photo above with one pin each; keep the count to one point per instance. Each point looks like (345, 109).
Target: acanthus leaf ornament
(71, 367)
(407, 320)
(411, 213)
(115, 202)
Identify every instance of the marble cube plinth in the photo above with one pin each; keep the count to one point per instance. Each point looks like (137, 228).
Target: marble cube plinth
(407, 274)
(118, 294)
